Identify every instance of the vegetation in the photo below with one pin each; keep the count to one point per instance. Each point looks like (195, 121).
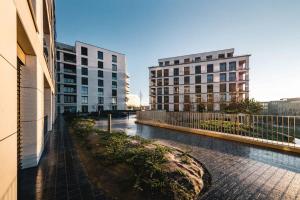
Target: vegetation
(130, 167)
(246, 106)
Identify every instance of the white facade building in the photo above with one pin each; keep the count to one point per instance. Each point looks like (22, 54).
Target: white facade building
(210, 79)
(90, 78)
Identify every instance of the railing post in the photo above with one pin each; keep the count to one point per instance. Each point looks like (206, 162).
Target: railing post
(109, 123)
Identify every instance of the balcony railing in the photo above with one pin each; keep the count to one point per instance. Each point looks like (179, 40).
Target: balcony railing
(276, 130)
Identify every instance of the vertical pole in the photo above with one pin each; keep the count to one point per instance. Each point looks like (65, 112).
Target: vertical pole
(109, 123)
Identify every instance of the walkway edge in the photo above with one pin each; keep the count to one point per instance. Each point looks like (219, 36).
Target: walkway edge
(224, 136)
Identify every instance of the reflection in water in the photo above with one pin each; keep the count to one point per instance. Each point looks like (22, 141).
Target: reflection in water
(278, 159)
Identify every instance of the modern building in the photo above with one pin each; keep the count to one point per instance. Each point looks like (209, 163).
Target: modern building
(27, 50)
(90, 78)
(191, 82)
(286, 106)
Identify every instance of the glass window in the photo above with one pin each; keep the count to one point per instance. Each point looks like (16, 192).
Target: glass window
(166, 72)
(223, 77)
(100, 100)
(84, 109)
(186, 89)
(100, 73)
(114, 67)
(114, 58)
(166, 99)
(197, 59)
(69, 57)
(229, 55)
(198, 69)
(84, 71)
(176, 81)
(159, 73)
(167, 63)
(159, 82)
(176, 90)
(186, 60)
(114, 84)
(57, 55)
(232, 76)
(166, 81)
(198, 79)
(84, 51)
(222, 67)
(210, 78)
(166, 90)
(159, 91)
(220, 56)
(186, 98)
(186, 80)
(84, 61)
(100, 64)
(84, 90)
(209, 57)
(69, 99)
(100, 55)
(210, 88)
(159, 99)
(186, 70)
(176, 99)
(232, 66)
(176, 62)
(153, 73)
(210, 68)
(84, 100)
(100, 82)
(198, 88)
(232, 87)
(223, 87)
(114, 93)
(114, 76)
(176, 72)
(161, 64)
(84, 81)
(100, 92)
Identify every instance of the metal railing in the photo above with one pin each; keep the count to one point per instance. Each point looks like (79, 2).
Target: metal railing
(283, 130)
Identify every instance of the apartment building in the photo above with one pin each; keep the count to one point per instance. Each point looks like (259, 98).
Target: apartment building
(192, 82)
(26, 86)
(90, 79)
(285, 106)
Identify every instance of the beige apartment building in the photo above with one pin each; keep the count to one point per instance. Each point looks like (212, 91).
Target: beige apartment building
(191, 82)
(26, 86)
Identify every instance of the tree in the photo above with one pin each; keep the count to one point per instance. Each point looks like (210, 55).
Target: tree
(246, 106)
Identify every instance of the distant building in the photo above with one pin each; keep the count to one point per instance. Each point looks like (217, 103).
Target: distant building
(287, 106)
(186, 83)
(90, 79)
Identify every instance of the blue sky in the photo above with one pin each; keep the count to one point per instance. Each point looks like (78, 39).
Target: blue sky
(146, 30)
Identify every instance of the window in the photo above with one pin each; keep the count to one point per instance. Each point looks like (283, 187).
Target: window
(166, 99)
(114, 67)
(176, 81)
(69, 57)
(186, 89)
(114, 76)
(84, 81)
(176, 62)
(100, 100)
(159, 91)
(223, 77)
(232, 66)
(114, 93)
(100, 73)
(114, 107)
(232, 76)
(176, 107)
(153, 81)
(84, 90)
(161, 64)
(57, 55)
(176, 99)
(176, 72)
(84, 100)
(69, 68)
(197, 59)
(229, 55)
(166, 81)
(114, 100)
(210, 68)
(176, 90)
(221, 56)
(84, 71)
(210, 78)
(186, 80)
(186, 98)
(167, 63)
(198, 88)
(198, 79)
(84, 51)
(159, 99)
(114, 84)
(159, 82)
(153, 91)
(84, 61)
(153, 72)
(166, 72)
(84, 109)
(100, 64)
(210, 88)
(166, 90)
(58, 88)
(114, 58)
(222, 67)
(57, 66)
(232, 87)
(100, 108)
(198, 69)
(209, 57)
(100, 83)
(100, 55)
(223, 87)
(159, 73)
(166, 105)
(186, 70)
(100, 92)
(186, 60)
(69, 99)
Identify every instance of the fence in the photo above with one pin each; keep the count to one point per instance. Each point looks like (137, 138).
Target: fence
(283, 130)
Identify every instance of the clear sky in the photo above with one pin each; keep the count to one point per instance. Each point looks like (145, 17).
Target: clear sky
(146, 30)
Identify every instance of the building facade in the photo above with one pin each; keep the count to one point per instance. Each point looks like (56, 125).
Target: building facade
(207, 80)
(90, 79)
(286, 106)
(27, 50)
